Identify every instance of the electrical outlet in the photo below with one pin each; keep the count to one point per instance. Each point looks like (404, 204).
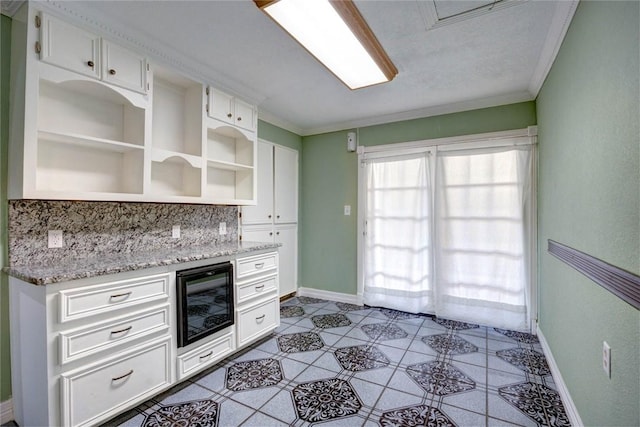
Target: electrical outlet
(175, 231)
(606, 358)
(55, 239)
(347, 209)
(223, 228)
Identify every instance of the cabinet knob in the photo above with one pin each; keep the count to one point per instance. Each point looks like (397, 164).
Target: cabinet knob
(239, 118)
(90, 64)
(229, 115)
(269, 216)
(277, 216)
(270, 234)
(277, 233)
(112, 72)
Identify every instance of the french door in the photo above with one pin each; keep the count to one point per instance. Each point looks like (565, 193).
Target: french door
(448, 230)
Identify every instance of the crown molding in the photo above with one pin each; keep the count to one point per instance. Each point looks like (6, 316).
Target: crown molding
(275, 120)
(555, 36)
(438, 110)
(80, 14)
(10, 7)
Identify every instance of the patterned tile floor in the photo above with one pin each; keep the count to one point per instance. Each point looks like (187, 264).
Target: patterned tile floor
(338, 364)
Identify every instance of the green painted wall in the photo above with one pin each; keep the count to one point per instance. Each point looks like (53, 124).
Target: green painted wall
(330, 178)
(589, 198)
(276, 134)
(5, 357)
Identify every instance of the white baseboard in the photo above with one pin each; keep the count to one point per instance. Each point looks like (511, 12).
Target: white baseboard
(6, 411)
(569, 406)
(332, 296)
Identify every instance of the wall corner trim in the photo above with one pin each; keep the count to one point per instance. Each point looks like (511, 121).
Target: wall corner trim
(567, 401)
(6, 411)
(329, 295)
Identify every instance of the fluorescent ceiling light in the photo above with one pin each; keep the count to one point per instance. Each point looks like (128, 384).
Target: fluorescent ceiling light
(336, 34)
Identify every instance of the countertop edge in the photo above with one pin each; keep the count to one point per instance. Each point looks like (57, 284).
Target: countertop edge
(87, 268)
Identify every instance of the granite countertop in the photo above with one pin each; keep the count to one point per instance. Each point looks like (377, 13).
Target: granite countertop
(99, 265)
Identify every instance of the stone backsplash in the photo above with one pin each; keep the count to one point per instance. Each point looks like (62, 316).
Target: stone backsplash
(95, 228)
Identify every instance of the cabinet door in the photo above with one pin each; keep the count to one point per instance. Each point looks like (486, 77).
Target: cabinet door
(245, 115)
(123, 67)
(69, 47)
(286, 185)
(220, 106)
(288, 257)
(257, 234)
(262, 213)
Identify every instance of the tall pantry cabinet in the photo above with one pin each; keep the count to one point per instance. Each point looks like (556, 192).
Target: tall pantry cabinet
(275, 217)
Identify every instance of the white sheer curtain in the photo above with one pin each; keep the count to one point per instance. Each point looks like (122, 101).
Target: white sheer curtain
(451, 235)
(398, 269)
(482, 229)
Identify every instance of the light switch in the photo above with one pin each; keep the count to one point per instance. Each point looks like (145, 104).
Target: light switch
(347, 209)
(175, 232)
(223, 228)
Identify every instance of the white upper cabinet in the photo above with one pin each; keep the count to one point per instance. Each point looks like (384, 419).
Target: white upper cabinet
(232, 110)
(123, 67)
(74, 49)
(69, 47)
(92, 120)
(286, 185)
(263, 211)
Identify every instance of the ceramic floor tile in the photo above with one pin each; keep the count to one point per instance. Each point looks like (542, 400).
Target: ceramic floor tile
(336, 364)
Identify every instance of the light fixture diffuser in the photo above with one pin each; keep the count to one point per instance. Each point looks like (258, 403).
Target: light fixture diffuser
(335, 33)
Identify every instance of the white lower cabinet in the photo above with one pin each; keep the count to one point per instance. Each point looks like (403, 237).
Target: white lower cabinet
(84, 351)
(99, 390)
(203, 356)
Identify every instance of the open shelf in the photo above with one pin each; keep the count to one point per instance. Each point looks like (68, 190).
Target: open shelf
(95, 168)
(175, 176)
(228, 166)
(225, 184)
(159, 155)
(88, 141)
(177, 114)
(228, 146)
(89, 110)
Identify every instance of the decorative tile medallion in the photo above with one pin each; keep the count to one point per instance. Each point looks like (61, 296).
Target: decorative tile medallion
(349, 307)
(309, 300)
(418, 415)
(361, 358)
(455, 325)
(301, 341)
(253, 374)
(398, 315)
(528, 360)
(539, 402)
(291, 311)
(440, 378)
(522, 337)
(326, 321)
(383, 331)
(194, 413)
(449, 344)
(325, 400)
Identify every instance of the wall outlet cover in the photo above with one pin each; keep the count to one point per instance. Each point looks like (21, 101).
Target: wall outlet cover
(606, 358)
(175, 231)
(55, 239)
(223, 228)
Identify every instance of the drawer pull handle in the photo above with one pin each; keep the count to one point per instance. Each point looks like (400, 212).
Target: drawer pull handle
(259, 265)
(122, 376)
(261, 287)
(204, 356)
(259, 318)
(121, 330)
(126, 294)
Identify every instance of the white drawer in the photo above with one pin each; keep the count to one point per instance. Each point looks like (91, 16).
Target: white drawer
(256, 288)
(91, 300)
(256, 264)
(94, 393)
(258, 319)
(205, 355)
(87, 340)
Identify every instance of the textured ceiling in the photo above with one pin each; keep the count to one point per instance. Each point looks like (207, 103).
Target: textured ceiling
(447, 60)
